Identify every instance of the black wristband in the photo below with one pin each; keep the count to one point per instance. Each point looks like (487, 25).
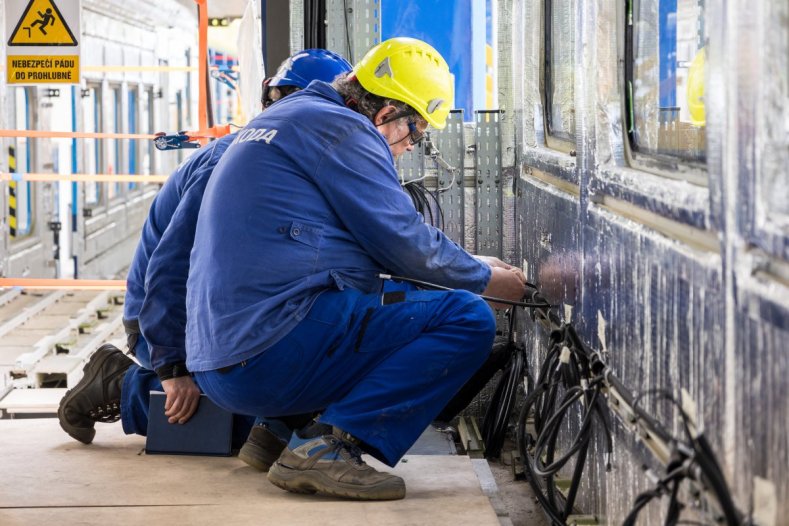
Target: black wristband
(172, 370)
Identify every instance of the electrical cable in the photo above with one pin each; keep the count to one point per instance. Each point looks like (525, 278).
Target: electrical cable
(564, 381)
(421, 197)
(347, 31)
(497, 417)
(692, 452)
(492, 299)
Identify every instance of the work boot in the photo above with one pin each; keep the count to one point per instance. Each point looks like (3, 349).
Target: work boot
(332, 466)
(97, 397)
(261, 448)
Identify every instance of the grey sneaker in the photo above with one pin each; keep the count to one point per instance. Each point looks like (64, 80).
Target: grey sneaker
(97, 397)
(331, 466)
(261, 448)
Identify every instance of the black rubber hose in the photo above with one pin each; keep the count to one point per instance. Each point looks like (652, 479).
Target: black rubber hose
(498, 415)
(548, 506)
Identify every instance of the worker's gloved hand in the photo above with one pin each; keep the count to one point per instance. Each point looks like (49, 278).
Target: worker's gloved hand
(183, 395)
(505, 283)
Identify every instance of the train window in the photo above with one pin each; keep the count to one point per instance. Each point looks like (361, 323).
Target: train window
(147, 126)
(188, 88)
(114, 153)
(179, 118)
(92, 154)
(772, 200)
(559, 69)
(665, 71)
(20, 158)
(133, 145)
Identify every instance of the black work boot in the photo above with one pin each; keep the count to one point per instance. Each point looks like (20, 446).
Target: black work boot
(262, 448)
(97, 397)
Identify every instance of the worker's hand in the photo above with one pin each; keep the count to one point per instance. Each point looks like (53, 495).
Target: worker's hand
(505, 283)
(183, 395)
(494, 262)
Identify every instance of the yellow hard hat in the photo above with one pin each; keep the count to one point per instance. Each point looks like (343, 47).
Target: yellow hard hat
(411, 71)
(696, 81)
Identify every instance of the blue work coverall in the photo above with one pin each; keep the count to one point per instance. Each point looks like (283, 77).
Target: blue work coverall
(286, 309)
(166, 239)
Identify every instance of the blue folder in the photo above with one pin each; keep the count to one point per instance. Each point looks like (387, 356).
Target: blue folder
(208, 432)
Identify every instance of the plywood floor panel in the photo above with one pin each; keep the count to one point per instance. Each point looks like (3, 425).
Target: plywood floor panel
(45, 476)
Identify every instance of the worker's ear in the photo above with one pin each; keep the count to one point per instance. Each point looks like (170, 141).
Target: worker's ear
(384, 114)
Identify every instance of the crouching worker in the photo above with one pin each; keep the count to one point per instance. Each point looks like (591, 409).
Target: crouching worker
(113, 387)
(286, 313)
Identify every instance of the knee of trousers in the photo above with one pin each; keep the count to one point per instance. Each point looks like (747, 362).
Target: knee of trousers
(476, 318)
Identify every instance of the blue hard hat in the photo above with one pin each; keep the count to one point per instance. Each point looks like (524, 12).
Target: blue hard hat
(308, 65)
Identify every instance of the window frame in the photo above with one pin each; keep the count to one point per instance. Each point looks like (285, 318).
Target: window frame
(134, 147)
(151, 127)
(30, 98)
(759, 227)
(669, 166)
(116, 108)
(97, 115)
(553, 141)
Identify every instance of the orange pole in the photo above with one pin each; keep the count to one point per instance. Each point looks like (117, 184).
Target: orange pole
(202, 52)
(67, 284)
(160, 69)
(38, 134)
(83, 178)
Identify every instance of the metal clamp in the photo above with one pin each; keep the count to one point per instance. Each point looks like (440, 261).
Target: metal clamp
(178, 141)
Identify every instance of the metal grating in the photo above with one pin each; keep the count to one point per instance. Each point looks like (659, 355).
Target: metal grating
(487, 171)
(411, 165)
(357, 19)
(451, 197)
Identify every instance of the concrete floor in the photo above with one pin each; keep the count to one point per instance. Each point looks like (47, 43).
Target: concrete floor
(46, 477)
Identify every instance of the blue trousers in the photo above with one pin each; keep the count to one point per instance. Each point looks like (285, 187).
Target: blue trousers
(380, 366)
(135, 398)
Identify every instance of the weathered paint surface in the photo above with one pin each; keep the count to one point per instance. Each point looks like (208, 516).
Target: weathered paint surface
(686, 285)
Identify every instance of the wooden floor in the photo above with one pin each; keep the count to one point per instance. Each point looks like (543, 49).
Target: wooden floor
(48, 478)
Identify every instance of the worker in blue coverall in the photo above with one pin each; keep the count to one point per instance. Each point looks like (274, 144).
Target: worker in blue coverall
(286, 309)
(155, 297)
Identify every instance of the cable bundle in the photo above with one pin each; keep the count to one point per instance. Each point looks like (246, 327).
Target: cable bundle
(422, 198)
(691, 459)
(497, 417)
(566, 380)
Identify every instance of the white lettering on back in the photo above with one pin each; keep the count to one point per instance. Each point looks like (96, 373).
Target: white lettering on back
(257, 135)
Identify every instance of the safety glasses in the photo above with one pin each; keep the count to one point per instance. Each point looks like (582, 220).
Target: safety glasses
(414, 135)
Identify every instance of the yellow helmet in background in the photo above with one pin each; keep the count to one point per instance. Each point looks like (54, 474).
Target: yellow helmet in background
(696, 81)
(411, 71)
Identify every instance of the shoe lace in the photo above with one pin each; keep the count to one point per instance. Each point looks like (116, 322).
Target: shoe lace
(352, 452)
(106, 413)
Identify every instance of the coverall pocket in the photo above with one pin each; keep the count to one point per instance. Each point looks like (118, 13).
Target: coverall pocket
(308, 240)
(396, 319)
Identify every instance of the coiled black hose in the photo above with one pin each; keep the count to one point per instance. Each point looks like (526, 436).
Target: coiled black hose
(565, 376)
(497, 417)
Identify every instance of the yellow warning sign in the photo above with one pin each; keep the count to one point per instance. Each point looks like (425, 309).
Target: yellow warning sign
(42, 69)
(42, 24)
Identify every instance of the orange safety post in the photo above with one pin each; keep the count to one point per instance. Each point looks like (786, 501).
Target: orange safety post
(38, 134)
(202, 52)
(61, 284)
(83, 178)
